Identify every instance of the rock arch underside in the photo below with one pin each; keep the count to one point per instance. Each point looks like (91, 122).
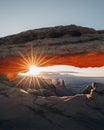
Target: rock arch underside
(62, 45)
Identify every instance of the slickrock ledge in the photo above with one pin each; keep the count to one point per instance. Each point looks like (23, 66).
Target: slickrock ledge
(20, 110)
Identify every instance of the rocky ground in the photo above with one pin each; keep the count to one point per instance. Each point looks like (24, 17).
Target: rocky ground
(21, 110)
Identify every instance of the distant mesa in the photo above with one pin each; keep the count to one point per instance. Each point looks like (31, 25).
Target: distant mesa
(60, 88)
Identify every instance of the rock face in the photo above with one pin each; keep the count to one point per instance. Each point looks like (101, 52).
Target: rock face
(41, 87)
(61, 40)
(60, 88)
(43, 33)
(20, 110)
(71, 45)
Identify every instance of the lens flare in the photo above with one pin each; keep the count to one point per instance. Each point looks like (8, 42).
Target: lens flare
(31, 65)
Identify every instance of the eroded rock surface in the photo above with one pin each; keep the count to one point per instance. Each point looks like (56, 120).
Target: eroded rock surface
(61, 40)
(68, 45)
(21, 110)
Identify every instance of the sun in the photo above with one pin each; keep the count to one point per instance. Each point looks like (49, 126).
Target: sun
(33, 71)
(31, 67)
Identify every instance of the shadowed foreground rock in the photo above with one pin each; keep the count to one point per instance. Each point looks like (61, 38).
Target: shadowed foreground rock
(20, 110)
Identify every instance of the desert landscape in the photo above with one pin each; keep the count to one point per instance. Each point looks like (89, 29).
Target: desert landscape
(51, 101)
(51, 65)
(45, 109)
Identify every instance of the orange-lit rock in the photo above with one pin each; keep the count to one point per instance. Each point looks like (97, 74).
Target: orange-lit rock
(12, 66)
(64, 45)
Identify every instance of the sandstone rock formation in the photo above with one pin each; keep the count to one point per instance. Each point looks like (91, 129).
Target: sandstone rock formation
(21, 110)
(60, 88)
(68, 45)
(40, 86)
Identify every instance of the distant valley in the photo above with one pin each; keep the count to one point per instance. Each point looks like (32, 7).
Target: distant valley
(77, 83)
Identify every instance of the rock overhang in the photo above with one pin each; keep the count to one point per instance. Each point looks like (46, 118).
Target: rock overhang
(63, 45)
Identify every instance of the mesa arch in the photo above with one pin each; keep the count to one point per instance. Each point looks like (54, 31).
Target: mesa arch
(60, 45)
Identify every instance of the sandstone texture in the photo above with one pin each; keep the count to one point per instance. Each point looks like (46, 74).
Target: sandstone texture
(65, 45)
(22, 110)
(61, 40)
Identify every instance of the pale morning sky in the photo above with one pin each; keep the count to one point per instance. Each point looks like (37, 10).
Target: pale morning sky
(19, 15)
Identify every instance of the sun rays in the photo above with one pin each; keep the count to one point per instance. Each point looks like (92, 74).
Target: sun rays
(31, 65)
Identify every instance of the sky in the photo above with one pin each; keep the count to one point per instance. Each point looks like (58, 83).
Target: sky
(21, 15)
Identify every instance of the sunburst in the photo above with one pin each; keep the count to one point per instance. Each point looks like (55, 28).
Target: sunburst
(31, 64)
(33, 71)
